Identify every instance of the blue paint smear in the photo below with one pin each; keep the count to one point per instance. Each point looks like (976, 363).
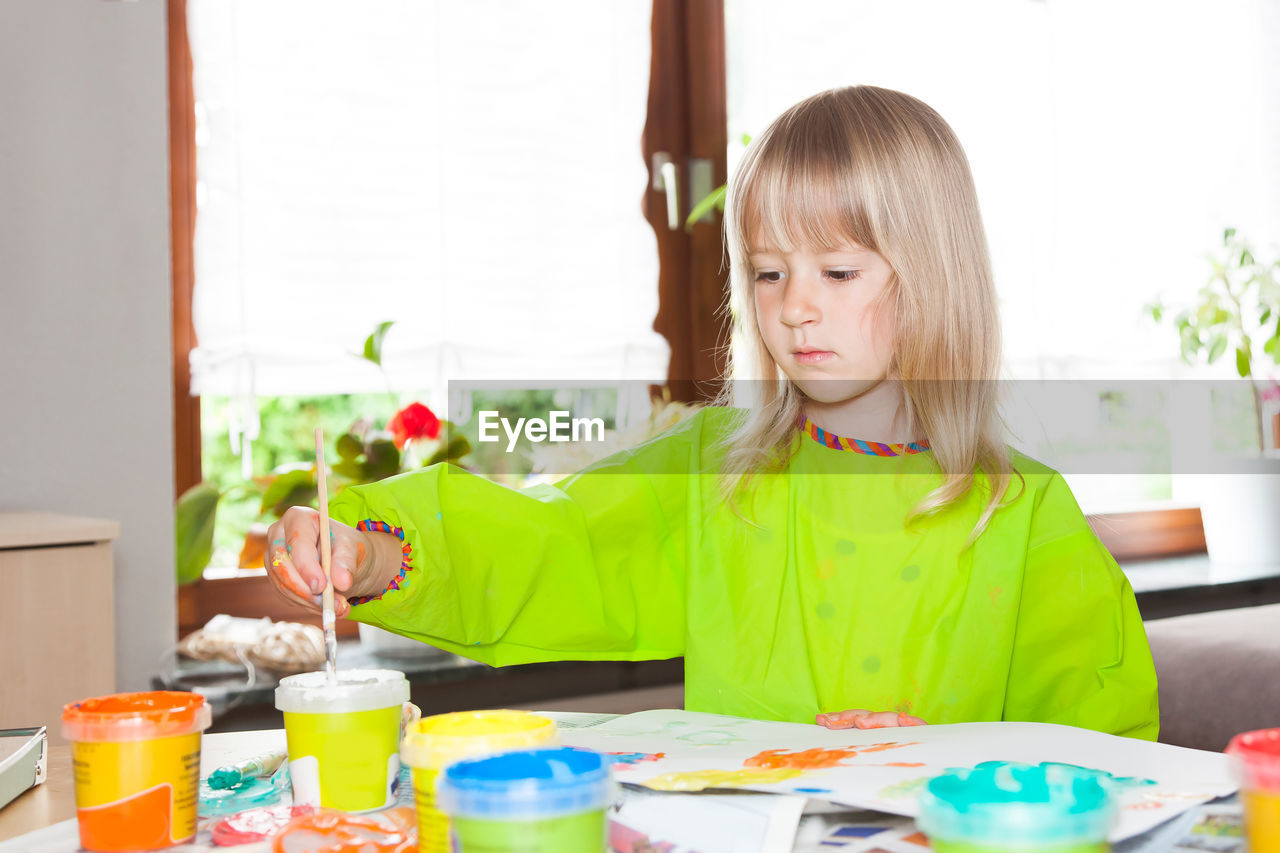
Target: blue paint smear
(859, 831)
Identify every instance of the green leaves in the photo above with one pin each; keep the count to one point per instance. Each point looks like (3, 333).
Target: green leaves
(291, 488)
(1222, 315)
(1242, 361)
(349, 446)
(453, 447)
(373, 343)
(714, 201)
(363, 460)
(382, 458)
(1217, 346)
(193, 531)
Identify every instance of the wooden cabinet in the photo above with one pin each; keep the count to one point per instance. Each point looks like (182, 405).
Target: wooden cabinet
(57, 618)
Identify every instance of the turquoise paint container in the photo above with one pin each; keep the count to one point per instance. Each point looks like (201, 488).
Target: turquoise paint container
(1001, 807)
(530, 801)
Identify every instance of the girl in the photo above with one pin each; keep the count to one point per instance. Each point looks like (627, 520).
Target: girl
(859, 537)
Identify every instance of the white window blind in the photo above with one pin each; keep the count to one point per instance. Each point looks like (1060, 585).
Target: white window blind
(1111, 143)
(471, 170)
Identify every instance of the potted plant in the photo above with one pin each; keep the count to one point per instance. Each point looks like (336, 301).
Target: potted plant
(412, 438)
(1237, 311)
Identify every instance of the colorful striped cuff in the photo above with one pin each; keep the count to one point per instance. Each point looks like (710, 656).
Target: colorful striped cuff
(400, 581)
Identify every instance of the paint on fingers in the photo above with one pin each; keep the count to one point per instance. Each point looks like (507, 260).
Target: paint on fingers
(284, 572)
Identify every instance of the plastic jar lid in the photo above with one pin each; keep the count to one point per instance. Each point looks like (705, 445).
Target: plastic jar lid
(1255, 758)
(436, 741)
(526, 785)
(352, 690)
(1011, 804)
(136, 716)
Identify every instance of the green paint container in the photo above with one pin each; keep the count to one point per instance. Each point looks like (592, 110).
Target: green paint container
(344, 737)
(531, 801)
(1002, 807)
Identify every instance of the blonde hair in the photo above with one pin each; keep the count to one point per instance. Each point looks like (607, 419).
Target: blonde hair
(885, 170)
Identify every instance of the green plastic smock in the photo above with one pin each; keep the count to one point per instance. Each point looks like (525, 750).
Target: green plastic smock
(828, 601)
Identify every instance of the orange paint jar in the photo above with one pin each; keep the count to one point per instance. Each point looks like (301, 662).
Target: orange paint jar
(1256, 760)
(135, 758)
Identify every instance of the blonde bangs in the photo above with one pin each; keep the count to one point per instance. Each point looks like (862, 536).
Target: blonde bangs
(884, 170)
(798, 196)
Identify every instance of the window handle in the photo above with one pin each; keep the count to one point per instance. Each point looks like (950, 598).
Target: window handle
(664, 178)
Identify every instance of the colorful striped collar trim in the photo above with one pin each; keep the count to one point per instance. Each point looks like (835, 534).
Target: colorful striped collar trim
(857, 445)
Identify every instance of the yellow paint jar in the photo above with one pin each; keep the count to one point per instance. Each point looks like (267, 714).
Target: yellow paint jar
(433, 743)
(135, 758)
(1256, 761)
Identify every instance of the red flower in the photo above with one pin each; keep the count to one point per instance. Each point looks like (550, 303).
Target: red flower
(412, 422)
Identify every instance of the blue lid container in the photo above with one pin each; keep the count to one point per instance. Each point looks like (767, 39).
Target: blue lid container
(1000, 801)
(526, 785)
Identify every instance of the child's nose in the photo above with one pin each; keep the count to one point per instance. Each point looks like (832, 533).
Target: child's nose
(798, 304)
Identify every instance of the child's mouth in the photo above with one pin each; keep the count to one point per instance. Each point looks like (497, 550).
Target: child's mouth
(816, 356)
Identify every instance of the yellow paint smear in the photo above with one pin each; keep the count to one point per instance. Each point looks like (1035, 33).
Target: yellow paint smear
(698, 780)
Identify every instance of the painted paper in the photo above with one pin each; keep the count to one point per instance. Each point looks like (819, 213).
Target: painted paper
(884, 769)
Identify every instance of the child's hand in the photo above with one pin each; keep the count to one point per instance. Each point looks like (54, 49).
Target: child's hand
(860, 719)
(293, 559)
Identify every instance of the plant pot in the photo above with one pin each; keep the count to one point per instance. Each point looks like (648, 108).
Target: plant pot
(254, 551)
(386, 644)
(1241, 515)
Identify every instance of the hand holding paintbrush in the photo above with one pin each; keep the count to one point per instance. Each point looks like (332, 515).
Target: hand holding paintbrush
(361, 562)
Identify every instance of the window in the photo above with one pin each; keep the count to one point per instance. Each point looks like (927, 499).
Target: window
(431, 163)
(1110, 143)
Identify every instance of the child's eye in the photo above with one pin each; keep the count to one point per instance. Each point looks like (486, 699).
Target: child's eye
(765, 276)
(843, 275)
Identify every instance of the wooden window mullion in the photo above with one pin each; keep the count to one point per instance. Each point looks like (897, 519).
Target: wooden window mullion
(688, 118)
(182, 190)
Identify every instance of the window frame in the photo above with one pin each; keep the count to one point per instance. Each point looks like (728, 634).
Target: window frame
(687, 118)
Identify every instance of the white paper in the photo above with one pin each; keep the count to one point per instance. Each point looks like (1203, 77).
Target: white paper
(576, 719)
(884, 769)
(706, 823)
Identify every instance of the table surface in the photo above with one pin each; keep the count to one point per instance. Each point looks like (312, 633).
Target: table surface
(55, 800)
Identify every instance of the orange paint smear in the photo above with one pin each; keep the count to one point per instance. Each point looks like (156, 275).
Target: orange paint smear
(140, 822)
(338, 832)
(808, 759)
(881, 747)
(360, 552)
(293, 585)
(813, 759)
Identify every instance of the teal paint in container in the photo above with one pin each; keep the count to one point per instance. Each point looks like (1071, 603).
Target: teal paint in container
(1000, 807)
(531, 801)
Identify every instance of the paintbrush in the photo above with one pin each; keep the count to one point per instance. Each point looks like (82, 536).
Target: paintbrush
(326, 563)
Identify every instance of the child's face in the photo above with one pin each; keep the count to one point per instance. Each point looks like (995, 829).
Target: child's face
(817, 312)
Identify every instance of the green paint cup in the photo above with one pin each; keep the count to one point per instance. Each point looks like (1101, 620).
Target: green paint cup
(433, 743)
(532, 801)
(584, 832)
(344, 737)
